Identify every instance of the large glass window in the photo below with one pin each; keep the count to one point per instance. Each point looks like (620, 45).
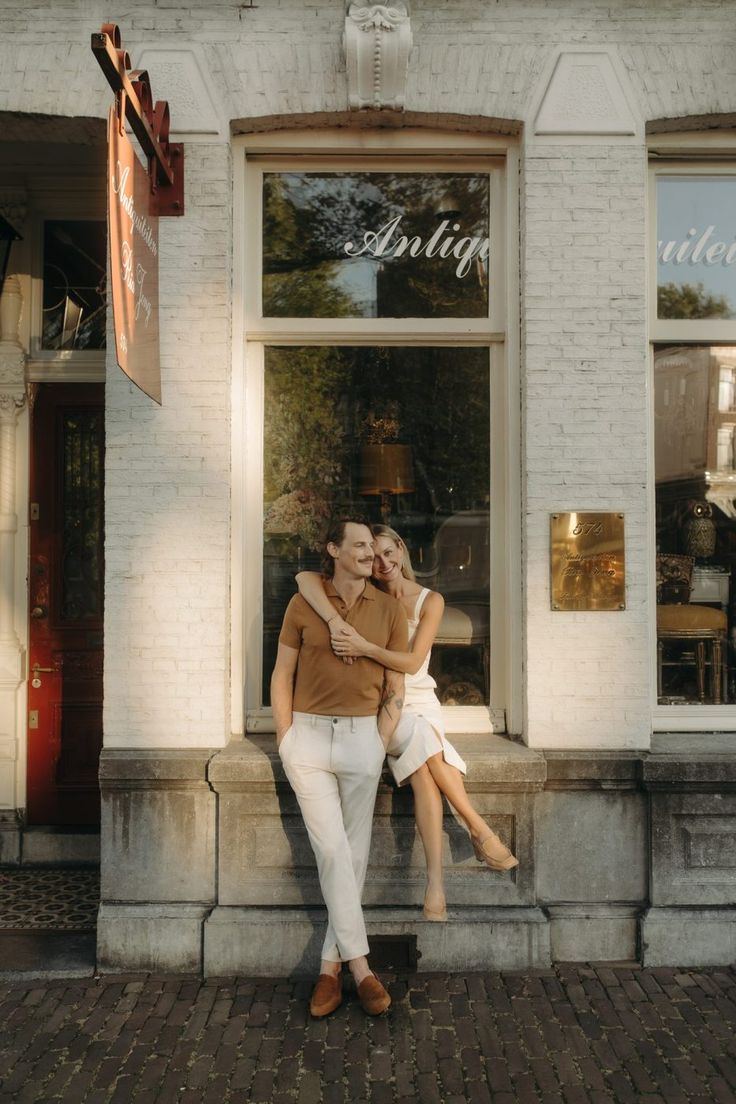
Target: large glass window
(695, 424)
(696, 247)
(374, 310)
(401, 435)
(375, 245)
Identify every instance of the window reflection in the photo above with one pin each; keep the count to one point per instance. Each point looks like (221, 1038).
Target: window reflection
(375, 245)
(399, 434)
(696, 247)
(695, 424)
(74, 278)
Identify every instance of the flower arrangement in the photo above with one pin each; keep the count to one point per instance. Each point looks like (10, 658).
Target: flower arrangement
(302, 514)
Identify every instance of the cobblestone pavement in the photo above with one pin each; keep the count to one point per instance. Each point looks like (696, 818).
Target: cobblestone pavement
(572, 1034)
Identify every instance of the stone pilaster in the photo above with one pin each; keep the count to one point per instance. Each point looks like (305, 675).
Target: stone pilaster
(12, 400)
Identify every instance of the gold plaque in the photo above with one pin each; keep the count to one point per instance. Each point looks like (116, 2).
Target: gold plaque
(587, 561)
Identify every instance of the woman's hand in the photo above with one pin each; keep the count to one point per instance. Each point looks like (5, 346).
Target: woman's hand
(337, 625)
(347, 642)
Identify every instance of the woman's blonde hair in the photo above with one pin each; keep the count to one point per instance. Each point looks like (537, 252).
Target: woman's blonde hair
(386, 531)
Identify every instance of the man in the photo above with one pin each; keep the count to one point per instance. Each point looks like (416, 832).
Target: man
(333, 723)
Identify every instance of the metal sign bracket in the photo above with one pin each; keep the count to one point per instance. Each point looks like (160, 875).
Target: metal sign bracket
(149, 122)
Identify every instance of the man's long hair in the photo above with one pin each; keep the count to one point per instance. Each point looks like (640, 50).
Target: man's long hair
(336, 535)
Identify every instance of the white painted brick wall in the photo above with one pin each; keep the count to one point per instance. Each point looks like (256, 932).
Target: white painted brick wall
(584, 329)
(168, 493)
(585, 431)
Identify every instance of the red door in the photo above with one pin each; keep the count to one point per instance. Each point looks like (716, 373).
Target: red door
(66, 596)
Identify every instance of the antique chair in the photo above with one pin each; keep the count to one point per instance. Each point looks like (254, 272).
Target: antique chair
(684, 623)
(462, 577)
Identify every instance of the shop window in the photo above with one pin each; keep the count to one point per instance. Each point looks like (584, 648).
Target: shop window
(695, 422)
(374, 312)
(74, 277)
(375, 245)
(401, 435)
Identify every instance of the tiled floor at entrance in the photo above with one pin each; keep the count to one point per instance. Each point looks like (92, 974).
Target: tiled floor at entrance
(54, 899)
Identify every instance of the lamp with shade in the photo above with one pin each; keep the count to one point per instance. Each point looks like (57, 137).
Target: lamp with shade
(386, 470)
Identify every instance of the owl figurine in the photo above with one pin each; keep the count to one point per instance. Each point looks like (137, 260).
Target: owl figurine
(700, 531)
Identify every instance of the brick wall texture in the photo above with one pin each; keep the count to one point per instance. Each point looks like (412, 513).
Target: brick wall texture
(584, 343)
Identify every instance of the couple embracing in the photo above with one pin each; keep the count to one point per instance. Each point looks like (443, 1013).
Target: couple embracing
(350, 685)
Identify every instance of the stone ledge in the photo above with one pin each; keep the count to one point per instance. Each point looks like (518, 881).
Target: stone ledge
(704, 773)
(493, 763)
(594, 770)
(122, 765)
(273, 942)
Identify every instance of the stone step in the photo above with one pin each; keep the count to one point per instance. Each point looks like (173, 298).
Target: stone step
(54, 846)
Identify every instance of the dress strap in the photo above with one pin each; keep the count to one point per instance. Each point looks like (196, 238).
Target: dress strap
(420, 603)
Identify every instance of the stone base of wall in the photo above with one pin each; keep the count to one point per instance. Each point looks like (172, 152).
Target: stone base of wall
(10, 839)
(275, 942)
(206, 866)
(594, 933)
(688, 937)
(160, 938)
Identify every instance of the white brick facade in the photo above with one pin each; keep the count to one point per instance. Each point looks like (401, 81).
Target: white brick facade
(584, 344)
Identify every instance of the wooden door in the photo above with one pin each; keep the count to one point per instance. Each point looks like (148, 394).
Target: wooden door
(66, 604)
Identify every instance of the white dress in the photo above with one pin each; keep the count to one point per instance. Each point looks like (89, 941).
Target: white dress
(420, 733)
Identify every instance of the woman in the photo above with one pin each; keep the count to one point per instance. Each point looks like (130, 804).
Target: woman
(419, 751)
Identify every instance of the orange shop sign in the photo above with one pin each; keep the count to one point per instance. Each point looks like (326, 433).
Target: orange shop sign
(133, 235)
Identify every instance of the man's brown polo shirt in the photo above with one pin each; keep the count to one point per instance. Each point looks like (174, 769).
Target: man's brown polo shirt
(326, 685)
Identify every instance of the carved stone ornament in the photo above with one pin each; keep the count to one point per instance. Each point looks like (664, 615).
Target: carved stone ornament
(586, 94)
(377, 44)
(12, 358)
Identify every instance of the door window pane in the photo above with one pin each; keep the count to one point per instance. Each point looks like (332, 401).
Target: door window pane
(695, 424)
(74, 277)
(696, 247)
(400, 434)
(375, 245)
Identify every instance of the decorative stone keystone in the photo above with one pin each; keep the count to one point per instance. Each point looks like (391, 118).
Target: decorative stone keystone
(377, 44)
(586, 95)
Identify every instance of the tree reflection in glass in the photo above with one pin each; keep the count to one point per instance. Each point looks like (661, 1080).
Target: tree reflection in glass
(375, 245)
(400, 434)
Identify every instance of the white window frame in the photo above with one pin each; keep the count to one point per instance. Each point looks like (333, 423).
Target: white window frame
(692, 154)
(408, 150)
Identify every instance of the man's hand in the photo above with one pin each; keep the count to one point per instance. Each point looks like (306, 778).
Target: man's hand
(282, 689)
(392, 703)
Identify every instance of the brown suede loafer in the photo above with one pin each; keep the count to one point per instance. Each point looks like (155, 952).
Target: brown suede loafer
(326, 995)
(372, 996)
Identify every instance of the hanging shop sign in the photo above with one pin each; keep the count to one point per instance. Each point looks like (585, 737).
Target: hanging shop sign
(587, 563)
(133, 237)
(136, 197)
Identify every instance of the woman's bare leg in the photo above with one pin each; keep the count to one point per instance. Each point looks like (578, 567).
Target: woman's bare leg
(428, 812)
(449, 781)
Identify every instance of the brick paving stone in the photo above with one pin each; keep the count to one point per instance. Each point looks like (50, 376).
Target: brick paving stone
(478, 1093)
(427, 1089)
(721, 1092)
(579, 1034)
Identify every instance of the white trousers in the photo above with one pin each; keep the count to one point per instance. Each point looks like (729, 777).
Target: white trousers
(334, 765)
